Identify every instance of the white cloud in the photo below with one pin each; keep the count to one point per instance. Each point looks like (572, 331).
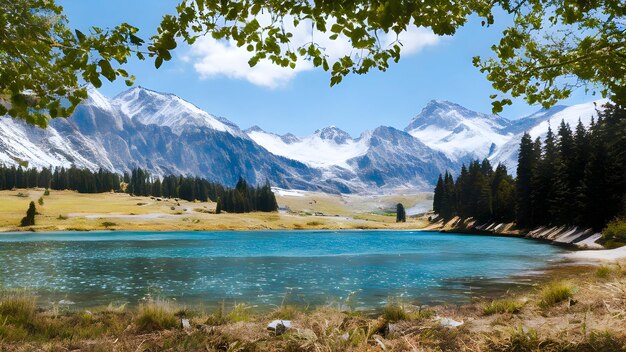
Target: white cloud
(212, 58)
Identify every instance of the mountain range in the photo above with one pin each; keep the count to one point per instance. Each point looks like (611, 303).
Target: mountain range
(165, 134)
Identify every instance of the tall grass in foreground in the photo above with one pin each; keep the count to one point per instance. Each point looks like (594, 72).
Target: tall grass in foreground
(156, 315)
(397, 311)
(555, 292)
(17, 307)
(499, 306)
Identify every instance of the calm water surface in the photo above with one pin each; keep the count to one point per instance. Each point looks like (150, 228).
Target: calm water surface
(264, 267)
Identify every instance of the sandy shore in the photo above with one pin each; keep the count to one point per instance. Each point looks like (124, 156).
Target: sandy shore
(600, 255)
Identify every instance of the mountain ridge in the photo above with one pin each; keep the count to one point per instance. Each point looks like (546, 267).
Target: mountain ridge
(166, 134)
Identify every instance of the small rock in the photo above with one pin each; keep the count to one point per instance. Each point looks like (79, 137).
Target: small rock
(279, 326)
(450, 323)
(66, 302)
(185, 324)
(345, 336)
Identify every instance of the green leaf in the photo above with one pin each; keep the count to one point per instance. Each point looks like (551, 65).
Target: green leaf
(81, 37)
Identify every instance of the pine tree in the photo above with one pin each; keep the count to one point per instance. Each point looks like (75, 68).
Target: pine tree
(449, 198)
(525, 170)
(438, 196)
(463, 193)
(562, 204)
(218, 206)
(400, 213)
(543, 189)
(503, 190)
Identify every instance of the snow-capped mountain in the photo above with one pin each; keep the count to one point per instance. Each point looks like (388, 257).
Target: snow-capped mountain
(164, 109)
(458, 132)
(386, 158)
(165, 134)
(537, 125)
(327, 147)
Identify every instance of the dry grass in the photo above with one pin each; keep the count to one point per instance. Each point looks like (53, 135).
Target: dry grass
(156, 315)
(505, 305)
(604, 271)
(554, 293)
(71, 211)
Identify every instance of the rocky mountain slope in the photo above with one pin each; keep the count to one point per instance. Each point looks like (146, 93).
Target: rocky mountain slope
(165, 134)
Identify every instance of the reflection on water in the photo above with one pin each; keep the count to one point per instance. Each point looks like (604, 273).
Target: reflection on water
(312, 267)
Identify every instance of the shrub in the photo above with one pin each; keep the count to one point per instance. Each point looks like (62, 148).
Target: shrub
(40, 201)
(523, 340)
(500, 306)
(240, 312)
(554, 293)
(46, 192)
(614, 234)
(394, 311)
(156, 315)
(29, 219)
(108, 224)
(603, 272)
(17, 307)
(62, 217)
(218, 317)
(604, 341)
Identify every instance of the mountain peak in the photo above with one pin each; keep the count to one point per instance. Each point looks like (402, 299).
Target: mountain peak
(333, 133)
(254, 128)
(95, 98)
(167, 109)
(448, 115)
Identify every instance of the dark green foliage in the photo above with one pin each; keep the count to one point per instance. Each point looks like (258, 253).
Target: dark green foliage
(29, 219)
(400, 213)
(448, 197)
(438, 197)
(572, 179)
(81, 180)
(543, 181)
(241, 199)
(525, 166)
(218, 206)
(479, 192)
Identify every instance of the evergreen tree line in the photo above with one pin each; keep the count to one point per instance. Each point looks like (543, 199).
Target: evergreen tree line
(478, 192)
(241, 199)
(59, 178)
(570, 178)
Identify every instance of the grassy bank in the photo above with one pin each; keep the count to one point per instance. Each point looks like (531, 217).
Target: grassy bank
(584, 310)
(71, 211)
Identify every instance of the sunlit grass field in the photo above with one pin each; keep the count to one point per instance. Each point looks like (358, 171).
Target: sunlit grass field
(68, 210)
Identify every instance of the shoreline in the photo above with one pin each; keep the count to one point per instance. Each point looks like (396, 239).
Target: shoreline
(587, 317)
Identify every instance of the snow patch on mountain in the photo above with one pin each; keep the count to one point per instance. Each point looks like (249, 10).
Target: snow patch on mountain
(326, 148)
(20, 142)
(164, 109)
(458, 132)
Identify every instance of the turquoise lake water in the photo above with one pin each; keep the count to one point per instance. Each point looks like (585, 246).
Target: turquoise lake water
(264, 267)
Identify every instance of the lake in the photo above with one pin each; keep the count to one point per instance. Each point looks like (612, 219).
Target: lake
(265, 268)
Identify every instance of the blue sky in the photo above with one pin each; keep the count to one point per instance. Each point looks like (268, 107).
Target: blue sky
(303, 101)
